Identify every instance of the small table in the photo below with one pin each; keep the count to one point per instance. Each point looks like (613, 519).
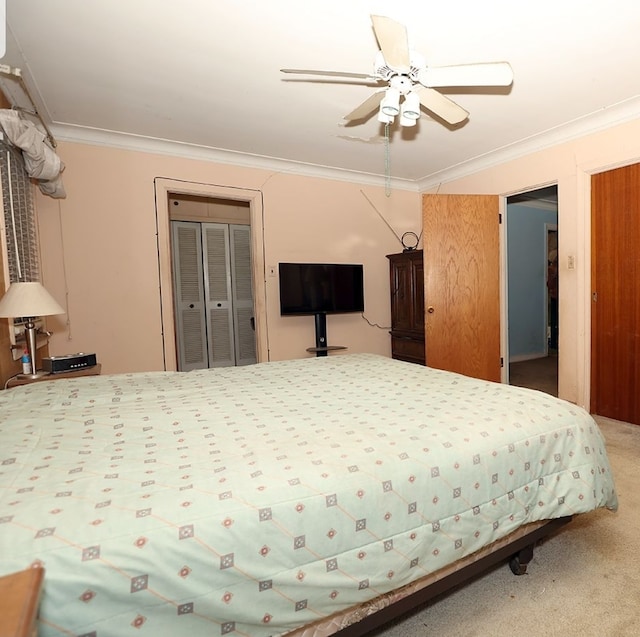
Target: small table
(87, 371)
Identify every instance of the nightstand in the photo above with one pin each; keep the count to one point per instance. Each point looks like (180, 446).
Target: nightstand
(87, 371)
(19, 596)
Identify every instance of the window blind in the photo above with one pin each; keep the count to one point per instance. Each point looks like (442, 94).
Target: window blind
(21, 238)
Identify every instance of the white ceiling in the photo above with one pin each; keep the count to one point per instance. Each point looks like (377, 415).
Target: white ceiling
(206, 74)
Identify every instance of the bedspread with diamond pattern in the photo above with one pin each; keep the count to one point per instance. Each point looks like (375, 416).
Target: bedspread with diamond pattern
(253, 500)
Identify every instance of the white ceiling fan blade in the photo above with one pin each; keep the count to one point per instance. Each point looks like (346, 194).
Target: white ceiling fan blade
(367, 107)
(392, 38)
(441, 106)
(363, 76)
(483, 74)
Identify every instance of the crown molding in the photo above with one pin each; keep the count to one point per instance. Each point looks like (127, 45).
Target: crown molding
(139, 143)
(589, 124)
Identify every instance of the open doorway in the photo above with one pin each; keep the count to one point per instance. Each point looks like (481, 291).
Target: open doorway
(532, 279)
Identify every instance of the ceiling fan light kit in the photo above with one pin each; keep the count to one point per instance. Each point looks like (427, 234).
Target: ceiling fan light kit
(411, 84)
(411, 106)
(390, 104)
(407, 121)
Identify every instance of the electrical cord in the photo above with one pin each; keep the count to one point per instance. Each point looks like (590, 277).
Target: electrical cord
(375, 324)
(6, 385)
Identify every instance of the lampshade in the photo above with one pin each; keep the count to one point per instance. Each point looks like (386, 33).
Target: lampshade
(28, 299)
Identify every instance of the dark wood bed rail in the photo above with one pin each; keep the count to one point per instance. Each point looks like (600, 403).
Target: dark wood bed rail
(518, 553)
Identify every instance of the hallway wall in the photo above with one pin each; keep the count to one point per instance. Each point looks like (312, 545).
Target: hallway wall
(527, 279)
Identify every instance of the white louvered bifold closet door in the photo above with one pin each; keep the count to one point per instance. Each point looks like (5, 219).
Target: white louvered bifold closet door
(217, 283)
(241, 289)
(214, 300)
(189, 295)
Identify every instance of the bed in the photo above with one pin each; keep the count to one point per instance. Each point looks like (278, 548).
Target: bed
(284, 498)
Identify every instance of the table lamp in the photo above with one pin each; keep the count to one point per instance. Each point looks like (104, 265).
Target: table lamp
(29, 300)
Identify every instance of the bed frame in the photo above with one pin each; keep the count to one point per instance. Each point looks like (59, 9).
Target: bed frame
(517, 548)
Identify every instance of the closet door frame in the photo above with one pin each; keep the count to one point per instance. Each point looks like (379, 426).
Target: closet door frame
(165, 187)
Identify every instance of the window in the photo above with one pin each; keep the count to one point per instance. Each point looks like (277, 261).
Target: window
(19, 218)
(19, 237)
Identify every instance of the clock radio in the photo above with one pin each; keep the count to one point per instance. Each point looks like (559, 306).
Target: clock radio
(68, 363)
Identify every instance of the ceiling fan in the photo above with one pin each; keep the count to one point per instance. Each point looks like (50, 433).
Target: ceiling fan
(411, 83)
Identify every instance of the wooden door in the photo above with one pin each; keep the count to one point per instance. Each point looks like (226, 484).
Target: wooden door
(615, 280)
(462, 284)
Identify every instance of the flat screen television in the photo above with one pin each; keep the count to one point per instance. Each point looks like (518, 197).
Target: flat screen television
(321, 288)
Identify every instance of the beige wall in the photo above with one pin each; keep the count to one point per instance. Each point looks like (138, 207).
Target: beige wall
(570, 166)
(100, 253)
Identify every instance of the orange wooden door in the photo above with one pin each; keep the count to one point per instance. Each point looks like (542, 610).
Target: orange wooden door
(462, 284)
(615, 280)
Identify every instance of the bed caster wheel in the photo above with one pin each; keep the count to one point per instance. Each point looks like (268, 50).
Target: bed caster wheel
(516, 566)
(518, 562)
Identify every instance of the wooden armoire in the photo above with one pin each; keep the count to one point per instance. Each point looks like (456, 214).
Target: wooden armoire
(406, 271)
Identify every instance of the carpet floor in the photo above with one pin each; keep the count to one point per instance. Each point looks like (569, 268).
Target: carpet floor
(536, 373)
(583, 581)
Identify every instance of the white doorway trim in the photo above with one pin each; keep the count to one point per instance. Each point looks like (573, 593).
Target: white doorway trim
(163, 188)
(548, 228)
(504, 291)
(533, 201)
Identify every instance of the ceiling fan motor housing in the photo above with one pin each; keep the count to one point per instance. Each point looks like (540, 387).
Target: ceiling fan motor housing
(402, 83)
(385, 72)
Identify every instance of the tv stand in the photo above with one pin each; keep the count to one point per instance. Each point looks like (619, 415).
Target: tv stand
(322, 351)
(321, 348)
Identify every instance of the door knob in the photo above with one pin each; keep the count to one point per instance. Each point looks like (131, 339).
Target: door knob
(431, 309)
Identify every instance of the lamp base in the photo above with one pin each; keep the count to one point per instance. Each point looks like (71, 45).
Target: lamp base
(35, 376)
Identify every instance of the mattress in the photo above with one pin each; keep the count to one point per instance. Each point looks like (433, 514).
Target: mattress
(258, 499)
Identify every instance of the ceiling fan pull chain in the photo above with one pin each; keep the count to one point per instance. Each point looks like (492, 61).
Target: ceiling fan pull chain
(387, 162)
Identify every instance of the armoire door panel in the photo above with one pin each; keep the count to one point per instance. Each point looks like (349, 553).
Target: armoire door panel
(407, 306)
(417, 277)
(403, 307)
